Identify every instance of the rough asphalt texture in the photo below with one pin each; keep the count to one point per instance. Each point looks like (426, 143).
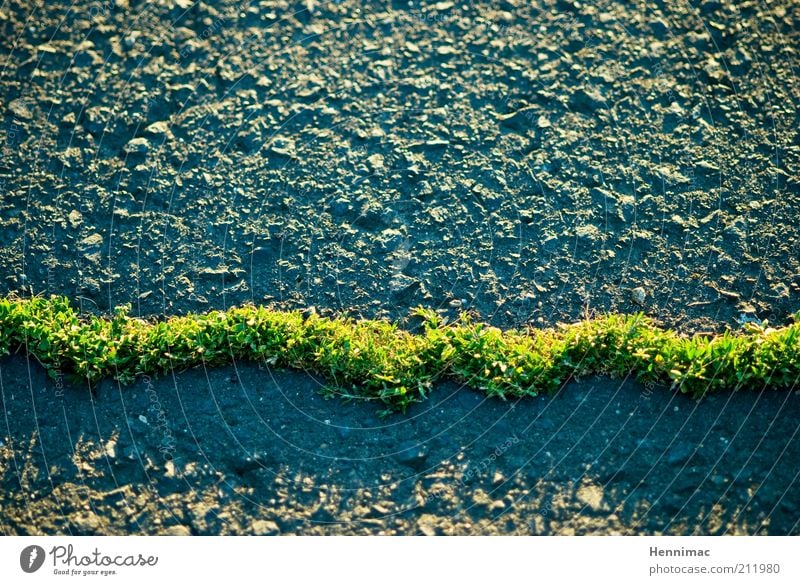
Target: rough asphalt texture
(249, 451)
(528, 161)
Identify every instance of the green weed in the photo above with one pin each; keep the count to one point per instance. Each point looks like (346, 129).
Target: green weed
(375, 360)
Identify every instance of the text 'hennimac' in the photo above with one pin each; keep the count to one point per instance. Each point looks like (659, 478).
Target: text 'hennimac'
(679, 552)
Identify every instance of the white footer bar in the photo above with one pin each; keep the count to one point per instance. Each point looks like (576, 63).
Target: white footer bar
(388, 560)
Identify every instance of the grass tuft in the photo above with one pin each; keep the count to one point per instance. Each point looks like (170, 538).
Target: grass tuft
(375, 360)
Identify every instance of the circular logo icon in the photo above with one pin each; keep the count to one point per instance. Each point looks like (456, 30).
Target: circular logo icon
(31, 558)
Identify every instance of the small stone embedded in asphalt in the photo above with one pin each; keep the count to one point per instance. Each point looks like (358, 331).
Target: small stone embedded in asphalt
(391, 239)
(497, 506)
(591, 496)
(376, 162)
(177, 530)
(381, 510)
(588, 233)
(626, 208)
(91, 241)
(587, 101)
(137, 146)
(75, 218)
(427, 525)
(550, 244)
(638, 295)
(19, 108)
(283, 147)
(404, 287)
(341, 207)
(158, 128)
(520, 120)
(373, 215)
(265, 528)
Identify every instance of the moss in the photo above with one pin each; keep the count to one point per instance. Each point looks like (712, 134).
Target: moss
(376, 360)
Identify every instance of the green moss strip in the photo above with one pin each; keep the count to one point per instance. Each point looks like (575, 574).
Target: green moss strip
(377, 360)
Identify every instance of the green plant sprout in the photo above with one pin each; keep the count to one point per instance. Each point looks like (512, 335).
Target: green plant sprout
(376, 360)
